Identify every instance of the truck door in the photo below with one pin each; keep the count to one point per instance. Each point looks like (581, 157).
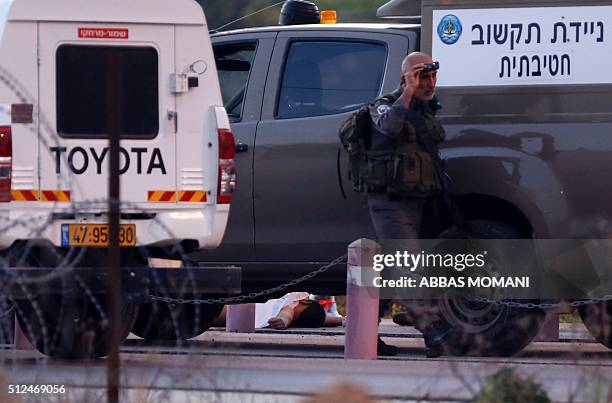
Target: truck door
(320, 77)
(242, 63)
(74, 82)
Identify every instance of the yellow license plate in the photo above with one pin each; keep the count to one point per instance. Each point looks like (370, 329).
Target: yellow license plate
(96, 235)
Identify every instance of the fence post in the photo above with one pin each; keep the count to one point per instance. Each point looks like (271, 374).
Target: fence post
(361, 301)
(240, 318)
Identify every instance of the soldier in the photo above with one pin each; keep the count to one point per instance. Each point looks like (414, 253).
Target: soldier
(404, 129)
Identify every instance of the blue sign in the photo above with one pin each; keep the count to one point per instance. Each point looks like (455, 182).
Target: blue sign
(449, 29)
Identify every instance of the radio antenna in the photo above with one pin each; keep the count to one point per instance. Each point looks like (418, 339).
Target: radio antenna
(247, 16)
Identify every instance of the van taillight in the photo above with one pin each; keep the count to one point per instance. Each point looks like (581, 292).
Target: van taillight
(227, 171)
(6, 163)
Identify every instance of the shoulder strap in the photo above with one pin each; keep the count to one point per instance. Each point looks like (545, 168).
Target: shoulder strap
(387, 97)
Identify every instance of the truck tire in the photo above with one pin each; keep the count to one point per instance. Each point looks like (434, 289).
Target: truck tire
(71, 328)
(486, 329)
(597, 318)
(163, 321)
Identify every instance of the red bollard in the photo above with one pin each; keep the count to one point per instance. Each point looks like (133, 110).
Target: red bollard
(21, 341)
(361, 301)
(240, 318)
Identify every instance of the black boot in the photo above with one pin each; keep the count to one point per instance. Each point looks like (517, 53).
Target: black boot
(385, 350)
(435, 337)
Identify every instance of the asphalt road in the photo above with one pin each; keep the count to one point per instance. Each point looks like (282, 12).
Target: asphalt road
(284, 366)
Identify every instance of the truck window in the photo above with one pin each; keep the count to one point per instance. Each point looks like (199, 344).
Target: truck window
(81, 79)
(327, 77)
(234, 64)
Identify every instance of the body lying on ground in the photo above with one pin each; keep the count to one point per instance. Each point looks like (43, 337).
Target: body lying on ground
(295, 309)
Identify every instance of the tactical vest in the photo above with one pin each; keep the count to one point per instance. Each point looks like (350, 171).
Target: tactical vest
(408, 170)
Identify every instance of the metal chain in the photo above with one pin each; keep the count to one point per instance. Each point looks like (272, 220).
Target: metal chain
(341, 260)
(527, 305)
(544, 305)
(253, 295)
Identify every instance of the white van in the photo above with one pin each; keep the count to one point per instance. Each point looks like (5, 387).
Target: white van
(64, 65)
(176, 157)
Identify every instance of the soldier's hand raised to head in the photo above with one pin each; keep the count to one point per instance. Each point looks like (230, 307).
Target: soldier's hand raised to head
(411, 81)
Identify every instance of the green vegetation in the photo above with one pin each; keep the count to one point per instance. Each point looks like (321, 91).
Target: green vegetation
(219, 12)
(506, 386)
(570, 318)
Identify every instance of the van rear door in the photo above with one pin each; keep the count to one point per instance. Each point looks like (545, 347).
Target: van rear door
(74, 83)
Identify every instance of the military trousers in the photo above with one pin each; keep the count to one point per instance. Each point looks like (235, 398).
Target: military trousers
(395, 218)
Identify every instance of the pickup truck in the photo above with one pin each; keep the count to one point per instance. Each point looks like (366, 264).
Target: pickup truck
(527, 160)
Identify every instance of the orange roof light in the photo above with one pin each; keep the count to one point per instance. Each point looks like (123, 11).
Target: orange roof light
(328, 17)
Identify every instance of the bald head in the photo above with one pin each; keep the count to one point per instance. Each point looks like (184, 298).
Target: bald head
(415, 58)
(412, 72)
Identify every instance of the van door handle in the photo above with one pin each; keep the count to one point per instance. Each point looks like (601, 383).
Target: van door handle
(173, 115)
(242, 148)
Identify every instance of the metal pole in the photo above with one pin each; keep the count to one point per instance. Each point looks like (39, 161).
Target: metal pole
(113, 285)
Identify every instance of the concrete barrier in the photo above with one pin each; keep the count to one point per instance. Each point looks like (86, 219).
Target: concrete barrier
(362, 297)
(550, 328)
(240, 318)
(21, 341)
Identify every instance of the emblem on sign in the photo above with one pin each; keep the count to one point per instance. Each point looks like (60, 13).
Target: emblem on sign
(449, 29)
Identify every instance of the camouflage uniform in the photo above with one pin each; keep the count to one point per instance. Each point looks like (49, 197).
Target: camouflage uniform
(396, 209)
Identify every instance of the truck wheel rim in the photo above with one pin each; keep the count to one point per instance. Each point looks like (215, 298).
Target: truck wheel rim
(471, 316)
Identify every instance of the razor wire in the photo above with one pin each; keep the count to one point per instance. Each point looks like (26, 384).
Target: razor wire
(68, 263)
(58, 265)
